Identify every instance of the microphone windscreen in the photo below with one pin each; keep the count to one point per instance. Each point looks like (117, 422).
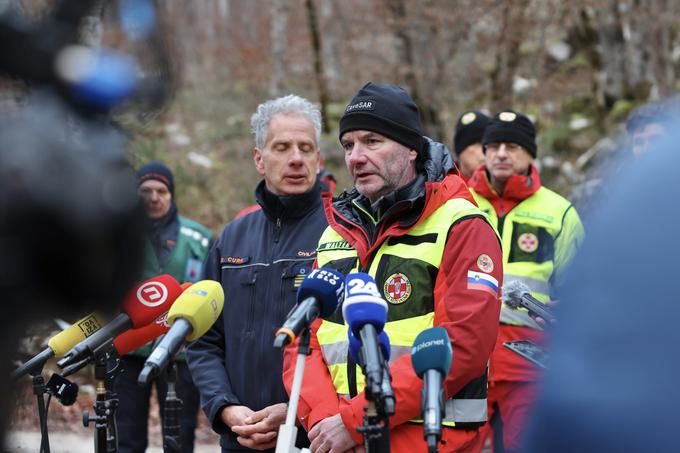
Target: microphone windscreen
(200, 305)
(150, 299)
(355, 345)
(326, 285)
(62, 342)
(512, 293)
(363, 303)
(432, 351)
(136, 338)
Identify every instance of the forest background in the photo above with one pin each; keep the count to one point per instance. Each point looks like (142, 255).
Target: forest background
(577, 68)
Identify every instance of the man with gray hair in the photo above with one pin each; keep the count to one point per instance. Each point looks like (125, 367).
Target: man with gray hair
(260, 260)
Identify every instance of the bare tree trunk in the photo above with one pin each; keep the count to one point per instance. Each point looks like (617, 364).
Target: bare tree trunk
(279, 43)
(512, 27)
(406, 61)
(313, 22)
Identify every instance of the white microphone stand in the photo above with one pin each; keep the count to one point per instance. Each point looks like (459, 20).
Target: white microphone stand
(285, 442)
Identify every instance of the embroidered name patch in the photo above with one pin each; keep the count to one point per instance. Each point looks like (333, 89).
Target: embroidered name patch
(360, 106)
(234, 259)
(336, 245)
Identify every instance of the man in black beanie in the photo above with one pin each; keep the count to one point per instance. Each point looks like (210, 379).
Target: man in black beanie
(411, 223)
(177, 246)
(467, 142)
(540, 232)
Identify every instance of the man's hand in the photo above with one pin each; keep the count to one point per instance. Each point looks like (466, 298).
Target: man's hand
(260, 429)
(330, 436)
(235, 415)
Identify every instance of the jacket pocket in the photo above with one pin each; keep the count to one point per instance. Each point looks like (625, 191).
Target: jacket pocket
(239, 283)
(293, 272)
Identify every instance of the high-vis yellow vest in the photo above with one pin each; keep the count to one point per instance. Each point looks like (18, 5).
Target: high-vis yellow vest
(405, 269)
(539, 237)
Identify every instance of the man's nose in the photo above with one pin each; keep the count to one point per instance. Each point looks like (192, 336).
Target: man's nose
(296, 156)
(502, 151)
(357, 155)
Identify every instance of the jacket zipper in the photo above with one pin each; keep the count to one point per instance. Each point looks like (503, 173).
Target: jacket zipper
(277, 229)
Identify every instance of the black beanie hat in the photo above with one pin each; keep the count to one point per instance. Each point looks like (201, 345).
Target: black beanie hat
(158, 171)
(469, 130)
(512, 127)
(387, 110)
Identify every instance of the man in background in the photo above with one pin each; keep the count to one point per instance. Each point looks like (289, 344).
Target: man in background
(540, 233)
(177, 246)
(467, 142)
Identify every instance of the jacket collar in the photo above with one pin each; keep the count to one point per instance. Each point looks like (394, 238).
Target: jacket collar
(287, 206)
(517, 189)
(366, 237)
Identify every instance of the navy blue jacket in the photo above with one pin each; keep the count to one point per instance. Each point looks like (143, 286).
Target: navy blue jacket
(260, 260)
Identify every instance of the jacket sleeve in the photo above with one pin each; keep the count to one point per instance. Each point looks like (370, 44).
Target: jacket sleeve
(567, 244)
(318, 398)
(470, 317)
(205, 358)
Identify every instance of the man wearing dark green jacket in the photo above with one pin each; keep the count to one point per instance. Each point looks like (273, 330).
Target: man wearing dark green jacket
(177, 246)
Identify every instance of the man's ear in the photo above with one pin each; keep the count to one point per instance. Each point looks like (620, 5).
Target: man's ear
(259, 160)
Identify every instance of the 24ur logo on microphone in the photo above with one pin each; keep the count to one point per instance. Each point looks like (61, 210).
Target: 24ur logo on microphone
(152, 294)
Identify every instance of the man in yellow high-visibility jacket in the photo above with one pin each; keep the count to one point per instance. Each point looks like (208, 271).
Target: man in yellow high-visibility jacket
(540, 233)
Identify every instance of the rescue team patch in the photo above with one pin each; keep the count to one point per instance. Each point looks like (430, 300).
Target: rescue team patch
(397, 288)
(468, 118)
(482, 282)
(234, 259)
(528, 242)
(485, 263)
(336, 245)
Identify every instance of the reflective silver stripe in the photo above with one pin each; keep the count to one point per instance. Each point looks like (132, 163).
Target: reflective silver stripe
(535, 285)
(465, 410)
(399, 351)
(518, 317)
(335, 353)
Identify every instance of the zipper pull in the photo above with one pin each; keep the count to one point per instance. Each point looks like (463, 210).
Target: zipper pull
(277, 229)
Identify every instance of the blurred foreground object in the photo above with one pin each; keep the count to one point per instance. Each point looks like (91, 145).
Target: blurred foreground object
(71, 225)
(612, 382)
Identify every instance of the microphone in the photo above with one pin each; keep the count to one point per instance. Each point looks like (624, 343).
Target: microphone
(431, 358)
(59, 344)
(366, 313)
(318, 295)
(386, 392)
(355, 347)
(144, 303)
(192, 314)
(129, 341)
(516, 294)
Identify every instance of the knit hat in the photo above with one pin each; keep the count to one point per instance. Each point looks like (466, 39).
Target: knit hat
(469, 130)
(159, 172)
(387, 110)
(513, 127)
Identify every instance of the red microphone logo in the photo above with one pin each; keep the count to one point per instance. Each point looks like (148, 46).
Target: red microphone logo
(152, 294)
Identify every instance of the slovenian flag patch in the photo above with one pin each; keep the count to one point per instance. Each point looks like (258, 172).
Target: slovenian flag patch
(482, 282)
